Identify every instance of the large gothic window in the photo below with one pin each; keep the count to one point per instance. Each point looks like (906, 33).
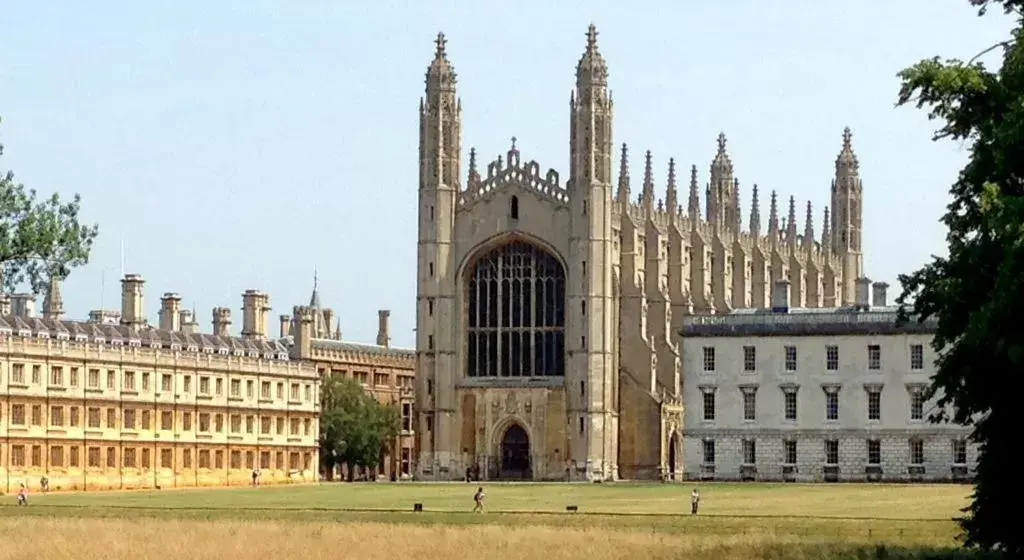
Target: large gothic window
(516, 323)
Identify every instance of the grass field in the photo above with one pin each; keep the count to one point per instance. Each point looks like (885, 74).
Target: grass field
(375, 520)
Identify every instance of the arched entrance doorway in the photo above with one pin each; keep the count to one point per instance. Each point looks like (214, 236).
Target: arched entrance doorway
(515, 454)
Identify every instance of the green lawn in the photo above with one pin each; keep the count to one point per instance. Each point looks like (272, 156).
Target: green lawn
(910, 502)
(907, 515)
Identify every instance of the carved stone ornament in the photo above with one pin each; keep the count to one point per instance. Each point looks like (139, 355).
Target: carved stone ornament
(528, 407)
(510, 403)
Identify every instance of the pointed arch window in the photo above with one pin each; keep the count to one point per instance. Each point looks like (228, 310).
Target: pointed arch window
(516, 314)
(514, 207)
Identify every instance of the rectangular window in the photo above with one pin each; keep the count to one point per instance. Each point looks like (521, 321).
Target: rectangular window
(406, 417)
(56, 376)
(916, 357)
(18, 377)
(916, 451)
(73, 416)
(874, 356)
(111, 457)
(73, 381)
(831, 452)
(204, 385)
(265, 425)
(128, 419)
(17, 455)
(166, 383)
(265, 390)
(129, 381)
(709, 358)
(709, 451)
(236, 388)
(93, 418)
(874, 405)
(790, 398)
(166, 420)
(749, 405)
(57, 456)
(18, 414)
(94, 383)
(874, 452)
(186, 421)
(145, 385)
(111, 418)
(37, 415)
(56, 415)
(789, 450)
(959, 452)
(831, 406)
(250, 389)
(166, 458)
(93, 459)
(749, 358)
(749, 452)
(73, 456)
(917, 405)
(832, 358)
(709, 405)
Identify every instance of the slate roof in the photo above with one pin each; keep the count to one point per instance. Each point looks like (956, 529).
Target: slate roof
(390, 351)
(147, 336)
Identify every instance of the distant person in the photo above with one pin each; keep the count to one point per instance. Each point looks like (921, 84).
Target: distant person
(44, 484)
(478, 499)
(23, 495)
(694, 501)
(255, 478)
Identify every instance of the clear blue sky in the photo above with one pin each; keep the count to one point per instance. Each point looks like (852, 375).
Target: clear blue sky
(239, 144)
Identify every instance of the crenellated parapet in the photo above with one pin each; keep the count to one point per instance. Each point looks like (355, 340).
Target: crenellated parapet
(512, 171)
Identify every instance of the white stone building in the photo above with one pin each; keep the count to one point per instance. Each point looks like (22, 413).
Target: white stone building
(814, 395)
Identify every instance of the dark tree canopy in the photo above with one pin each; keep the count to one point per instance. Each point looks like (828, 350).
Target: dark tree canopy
(977, 292)
(354, 427)
(39, 239)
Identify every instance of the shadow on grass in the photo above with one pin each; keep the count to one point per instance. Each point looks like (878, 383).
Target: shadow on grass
(872, 552)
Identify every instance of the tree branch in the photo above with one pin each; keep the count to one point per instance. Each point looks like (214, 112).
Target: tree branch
(1004, 44)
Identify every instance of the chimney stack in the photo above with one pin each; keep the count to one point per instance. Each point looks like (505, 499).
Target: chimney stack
(383, 329)
(780, 296)
(132, 314)
(105, 317)
(170, 312)
(23, 305)
(53, 303)
(879, 294)
(221, 321)
(255, 305)
(187, 321)
(863, 295)
(286, 325)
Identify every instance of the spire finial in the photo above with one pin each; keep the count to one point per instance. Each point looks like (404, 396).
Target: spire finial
(316, 279)
(591, 38)
(440, 42)
(624, 175)
(514, 149)
(721, 142)
(847, 138)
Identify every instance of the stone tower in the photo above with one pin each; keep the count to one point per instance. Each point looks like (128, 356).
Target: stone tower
(589, 312)
(847, 197)
(440, 134)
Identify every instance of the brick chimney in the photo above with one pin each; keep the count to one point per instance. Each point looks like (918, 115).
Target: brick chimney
(222, 321)
(383, 329)
(132, 313)
(255, 305)
(170, 312)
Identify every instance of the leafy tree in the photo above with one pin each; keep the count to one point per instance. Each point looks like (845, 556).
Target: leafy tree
(355, 429)
(39, 239)
(976, 293)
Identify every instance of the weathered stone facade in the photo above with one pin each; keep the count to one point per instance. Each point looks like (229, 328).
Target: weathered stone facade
(567, 294)
(828, 383)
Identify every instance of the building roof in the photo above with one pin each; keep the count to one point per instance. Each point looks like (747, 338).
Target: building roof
(119, 335)
(389, 351)
(824, 321)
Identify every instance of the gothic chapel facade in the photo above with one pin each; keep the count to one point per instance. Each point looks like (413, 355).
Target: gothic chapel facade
(546, 309)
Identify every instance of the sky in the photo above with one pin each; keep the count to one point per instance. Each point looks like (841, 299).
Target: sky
(245, 144)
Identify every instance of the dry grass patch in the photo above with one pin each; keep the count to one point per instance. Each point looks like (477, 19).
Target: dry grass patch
(169, 539)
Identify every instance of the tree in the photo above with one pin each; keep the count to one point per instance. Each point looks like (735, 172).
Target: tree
(355, 429)
(976, 293)
(41, 239)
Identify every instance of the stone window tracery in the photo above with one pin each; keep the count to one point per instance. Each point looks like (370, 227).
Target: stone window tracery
(516, 314)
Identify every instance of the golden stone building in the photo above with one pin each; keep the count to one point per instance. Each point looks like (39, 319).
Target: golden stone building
(115, 403)
(384, 371)
(546, 309)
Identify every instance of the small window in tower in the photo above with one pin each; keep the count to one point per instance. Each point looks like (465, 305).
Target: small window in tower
(430, 387)
(584, 268)
(430, 342)
(430, 307)
(583, 342)
(431, 213)
(583, 389)
(581, 425)
(430, 269)
(584, 206)
(514, 207)
(583, 308)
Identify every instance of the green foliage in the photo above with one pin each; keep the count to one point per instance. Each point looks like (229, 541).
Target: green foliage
(354, 427)
(39, 239)
(976, 293)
